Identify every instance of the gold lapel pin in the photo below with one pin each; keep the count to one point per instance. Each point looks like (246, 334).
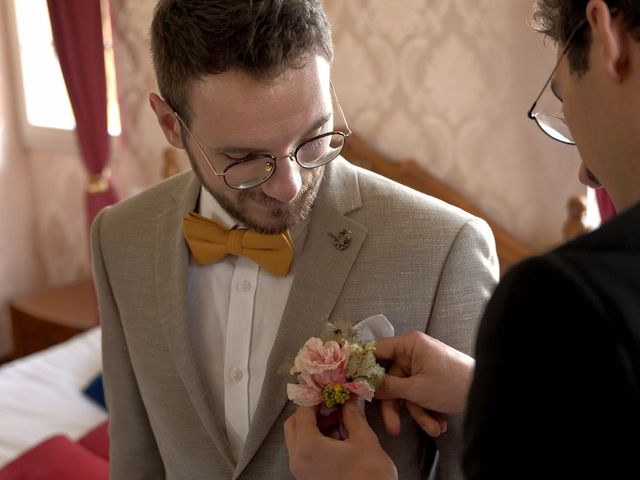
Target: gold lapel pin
(342, 240)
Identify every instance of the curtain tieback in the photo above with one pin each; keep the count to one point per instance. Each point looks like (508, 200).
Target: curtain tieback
(99, 183)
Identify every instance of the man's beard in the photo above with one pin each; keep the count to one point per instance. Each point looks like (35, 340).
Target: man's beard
(282, 219)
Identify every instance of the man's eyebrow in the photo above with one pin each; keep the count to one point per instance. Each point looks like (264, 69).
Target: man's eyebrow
(247, 150)
(317, 124)
(554, 90)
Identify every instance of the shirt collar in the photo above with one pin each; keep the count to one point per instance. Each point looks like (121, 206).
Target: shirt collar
(210, 208)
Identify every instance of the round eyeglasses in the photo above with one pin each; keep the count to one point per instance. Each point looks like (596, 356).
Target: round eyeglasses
(555, 125)
(314, 152)
(255, 169)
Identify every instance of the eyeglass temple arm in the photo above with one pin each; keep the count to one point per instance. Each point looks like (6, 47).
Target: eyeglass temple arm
(344, 118)
(553, 72)
(197, 145)
(544, 87)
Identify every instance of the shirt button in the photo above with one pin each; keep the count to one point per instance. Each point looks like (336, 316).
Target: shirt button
(244, 286)
(236, 374)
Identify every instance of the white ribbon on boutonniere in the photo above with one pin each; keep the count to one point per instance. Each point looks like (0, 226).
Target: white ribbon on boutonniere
(374, 328)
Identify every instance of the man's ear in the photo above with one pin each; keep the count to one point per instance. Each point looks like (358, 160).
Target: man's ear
(609, 38)
(167, 120)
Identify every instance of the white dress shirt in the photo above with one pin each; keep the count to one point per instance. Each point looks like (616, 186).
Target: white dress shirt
(235, 308)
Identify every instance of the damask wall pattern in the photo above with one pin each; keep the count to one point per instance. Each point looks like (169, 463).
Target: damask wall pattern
(447, 83)
(136, 162)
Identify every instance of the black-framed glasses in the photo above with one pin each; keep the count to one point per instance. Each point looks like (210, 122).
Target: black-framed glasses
(554, 124)
(256, 169)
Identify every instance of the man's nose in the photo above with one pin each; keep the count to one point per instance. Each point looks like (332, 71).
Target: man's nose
(284, 185)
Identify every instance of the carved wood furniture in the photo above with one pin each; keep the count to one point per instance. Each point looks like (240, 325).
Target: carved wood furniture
(42, 318)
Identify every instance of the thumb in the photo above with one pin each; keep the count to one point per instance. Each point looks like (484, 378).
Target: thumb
(305, 417)
(354, 418)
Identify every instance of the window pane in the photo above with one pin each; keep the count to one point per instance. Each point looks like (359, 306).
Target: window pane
(113, 109)
(45, 94)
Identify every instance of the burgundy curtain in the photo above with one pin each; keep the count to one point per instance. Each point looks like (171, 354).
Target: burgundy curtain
(77, 33)
(605, 205)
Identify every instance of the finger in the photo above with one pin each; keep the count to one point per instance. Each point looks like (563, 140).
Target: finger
(290, 433)
(431, 422)
(392, 386)
(396, 371)
(390, 408)
(389, 349)
(440, 418)
(354, 418)
(306, 421)
(384, 389)
(391, 416)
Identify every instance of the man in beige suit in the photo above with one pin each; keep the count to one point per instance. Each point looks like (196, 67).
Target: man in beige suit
(194, 340)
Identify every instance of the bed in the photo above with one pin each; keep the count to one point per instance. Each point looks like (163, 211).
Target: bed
(41, 395)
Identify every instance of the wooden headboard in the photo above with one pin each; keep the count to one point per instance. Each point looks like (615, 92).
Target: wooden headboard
(409, 173)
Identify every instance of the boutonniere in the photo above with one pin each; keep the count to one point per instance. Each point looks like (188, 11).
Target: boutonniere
(338, 364)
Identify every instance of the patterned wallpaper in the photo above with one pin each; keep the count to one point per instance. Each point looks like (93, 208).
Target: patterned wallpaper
(445, 82)
(137, 158)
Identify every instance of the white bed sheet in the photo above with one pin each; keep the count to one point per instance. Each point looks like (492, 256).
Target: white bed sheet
(41, 394)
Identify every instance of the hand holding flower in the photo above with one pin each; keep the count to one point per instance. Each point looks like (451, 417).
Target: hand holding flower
(432, 377)
(359, 456)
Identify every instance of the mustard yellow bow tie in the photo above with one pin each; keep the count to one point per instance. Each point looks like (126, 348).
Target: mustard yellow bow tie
(209, 243)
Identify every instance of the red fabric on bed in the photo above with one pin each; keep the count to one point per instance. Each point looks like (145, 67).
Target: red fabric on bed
(97, 440)
(57, 458)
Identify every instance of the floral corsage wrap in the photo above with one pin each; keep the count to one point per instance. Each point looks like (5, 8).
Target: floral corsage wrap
(330, 371)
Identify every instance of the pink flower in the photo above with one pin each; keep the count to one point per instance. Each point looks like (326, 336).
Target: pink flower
(321, 368)
(318, 364)
(317, 357)
(304, 395)
(361, 388)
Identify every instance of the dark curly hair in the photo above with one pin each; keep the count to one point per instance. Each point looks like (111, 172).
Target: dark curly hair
(194, 38)
(559, 18)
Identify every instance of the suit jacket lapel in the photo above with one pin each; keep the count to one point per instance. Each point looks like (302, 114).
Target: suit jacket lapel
(320, 273)
(171, 265)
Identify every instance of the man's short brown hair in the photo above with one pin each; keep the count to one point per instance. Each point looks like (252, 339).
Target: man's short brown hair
(559, 18)
(194, 38)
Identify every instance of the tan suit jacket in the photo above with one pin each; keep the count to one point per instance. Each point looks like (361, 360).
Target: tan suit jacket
(425, 265)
